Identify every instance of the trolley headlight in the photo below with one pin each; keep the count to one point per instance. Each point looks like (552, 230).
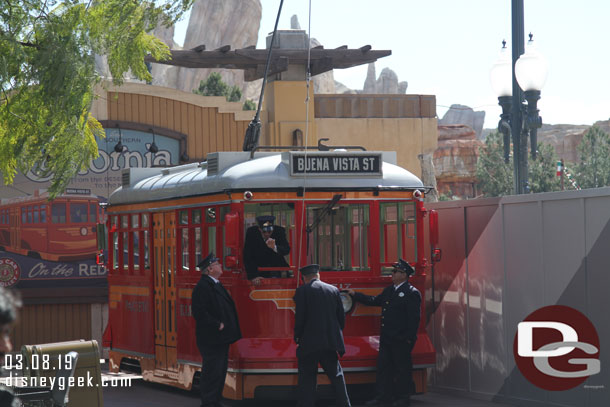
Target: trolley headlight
(83, 231)
(348, 302)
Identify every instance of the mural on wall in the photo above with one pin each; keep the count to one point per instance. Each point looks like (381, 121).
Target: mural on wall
(54, 243)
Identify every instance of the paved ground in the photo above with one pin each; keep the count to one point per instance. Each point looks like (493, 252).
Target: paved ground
(144, 394)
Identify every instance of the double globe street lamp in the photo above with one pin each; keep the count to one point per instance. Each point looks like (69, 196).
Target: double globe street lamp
(516, 82)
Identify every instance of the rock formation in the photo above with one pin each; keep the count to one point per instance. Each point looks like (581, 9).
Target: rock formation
(165, 75)
(604, 125)
(387, 82)
(455, 160)
(565, 138)
(325, 82)
(460, 114)
(215, 23)
(428, 177)
(370, 82)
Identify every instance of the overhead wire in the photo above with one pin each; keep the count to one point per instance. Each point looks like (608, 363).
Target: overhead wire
(306, 140)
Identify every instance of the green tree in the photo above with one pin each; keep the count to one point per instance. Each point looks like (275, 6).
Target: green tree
(593, 171)
(249, 105)
(47, 76)
(543, 170)
(215, 86)
(212, 86)
(234, 94)
(494, 175)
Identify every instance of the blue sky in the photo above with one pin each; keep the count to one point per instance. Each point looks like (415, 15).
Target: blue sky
(446, 47)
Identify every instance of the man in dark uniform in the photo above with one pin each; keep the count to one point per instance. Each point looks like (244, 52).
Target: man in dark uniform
(319, 320)
(217, 326)
(400, 314)
(265, 246)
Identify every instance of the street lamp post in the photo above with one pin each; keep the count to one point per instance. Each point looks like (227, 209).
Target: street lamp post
(524, 75)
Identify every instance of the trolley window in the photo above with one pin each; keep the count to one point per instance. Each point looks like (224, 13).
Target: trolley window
(284, 216)
(78, 212)
(145, 241)
(135, 224)
(58, 213)
(92, 213)
(114, 222)
(43, 214)
(200, 231)
(338, 240)
(398, 233)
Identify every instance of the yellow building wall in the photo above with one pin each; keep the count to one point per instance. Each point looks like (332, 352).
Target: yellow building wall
(409, 137)
(209, 122)
(286, 111)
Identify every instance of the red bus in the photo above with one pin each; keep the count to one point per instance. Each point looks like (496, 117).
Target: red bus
(63, 229)
(354, 213)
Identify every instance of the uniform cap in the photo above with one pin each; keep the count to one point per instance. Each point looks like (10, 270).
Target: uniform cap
(266, 222)
(404, 267)
(209, 260)
(310, 269)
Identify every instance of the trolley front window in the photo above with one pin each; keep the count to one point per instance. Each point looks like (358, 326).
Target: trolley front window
(338, 240)
(398, 233)
(284, 216)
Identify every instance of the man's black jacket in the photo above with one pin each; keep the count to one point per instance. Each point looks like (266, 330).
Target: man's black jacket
(319, 318)
(212, 305)
(258, 254)
(400, 312)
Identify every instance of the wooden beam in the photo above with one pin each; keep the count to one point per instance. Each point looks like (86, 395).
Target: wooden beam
(277, 65)
(251, 60)
(319, 66)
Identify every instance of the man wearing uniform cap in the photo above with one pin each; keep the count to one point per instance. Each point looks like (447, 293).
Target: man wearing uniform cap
(265, 246)
(318, 323)
(217, 326)
(400, 313)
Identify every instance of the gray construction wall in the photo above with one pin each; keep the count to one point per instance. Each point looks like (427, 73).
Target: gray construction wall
(503, 258)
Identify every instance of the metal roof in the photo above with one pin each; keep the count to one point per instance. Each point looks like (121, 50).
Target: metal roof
(236, 171)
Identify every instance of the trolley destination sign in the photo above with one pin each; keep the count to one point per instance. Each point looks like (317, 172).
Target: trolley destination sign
(335, 164)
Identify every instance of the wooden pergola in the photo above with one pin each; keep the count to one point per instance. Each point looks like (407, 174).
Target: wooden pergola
(253, 60)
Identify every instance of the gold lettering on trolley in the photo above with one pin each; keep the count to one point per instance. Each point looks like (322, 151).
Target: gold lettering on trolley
(118, 291)
(281, 298)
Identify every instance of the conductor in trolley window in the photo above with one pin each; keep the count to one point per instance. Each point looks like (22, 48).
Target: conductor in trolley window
(217, 326)
(265, 246)
(319, 321)
(400, 313)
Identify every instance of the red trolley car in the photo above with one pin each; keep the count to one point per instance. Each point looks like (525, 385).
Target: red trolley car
(60, 230)
(354, 213)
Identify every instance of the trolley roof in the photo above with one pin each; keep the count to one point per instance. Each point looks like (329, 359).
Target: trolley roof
(238, 171)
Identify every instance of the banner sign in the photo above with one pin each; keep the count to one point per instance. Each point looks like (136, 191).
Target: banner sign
(20, 271)
(25, 262)
(335, 164)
